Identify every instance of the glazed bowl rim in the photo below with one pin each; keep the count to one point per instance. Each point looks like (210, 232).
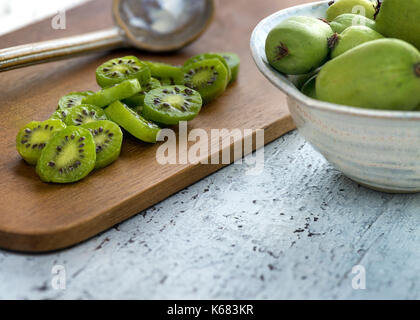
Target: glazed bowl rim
(284, 84)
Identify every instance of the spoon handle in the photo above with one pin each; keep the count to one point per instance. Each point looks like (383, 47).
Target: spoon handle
(40, 52)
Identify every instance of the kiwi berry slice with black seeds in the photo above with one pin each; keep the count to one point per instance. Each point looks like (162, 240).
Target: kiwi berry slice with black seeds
(105, 97)
(121, 69)
(233, 62)
(208, 77)
(72, 99)
(210, 55)
(134, 123)
(171, 104)
(108, 139)
(34, 137)
(83, 114)
(138, 99)
(69, 156)
(167, 74)
(59, 114)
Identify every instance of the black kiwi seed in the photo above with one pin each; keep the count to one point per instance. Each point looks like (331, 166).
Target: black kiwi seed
(51, 164)
(81, 145)
(100, 129)
(82, 139)
(59, 148)
(188, 92)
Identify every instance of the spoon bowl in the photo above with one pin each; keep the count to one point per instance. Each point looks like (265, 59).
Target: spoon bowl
(158, 25)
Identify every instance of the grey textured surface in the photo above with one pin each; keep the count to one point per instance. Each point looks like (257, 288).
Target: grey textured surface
(295, 231)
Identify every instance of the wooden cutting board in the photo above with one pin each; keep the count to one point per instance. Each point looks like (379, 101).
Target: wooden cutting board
(37, 217)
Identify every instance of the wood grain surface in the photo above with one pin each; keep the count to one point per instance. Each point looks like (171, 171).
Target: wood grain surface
(37, 217)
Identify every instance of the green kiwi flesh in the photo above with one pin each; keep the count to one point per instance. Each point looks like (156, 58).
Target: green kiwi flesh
(233, 62)
(105, 97)
(108, 139)
(138, 99)
(171, 104)
(167, 74)
(207, 56)
(59, 114)
(118, 70)
(208, 77)
(83, 114)
(72, 99)
(68, 157)
(34, 137)
(134, 123)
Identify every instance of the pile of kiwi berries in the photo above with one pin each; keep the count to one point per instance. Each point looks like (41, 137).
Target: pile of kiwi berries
(85, 132)
(368, 60)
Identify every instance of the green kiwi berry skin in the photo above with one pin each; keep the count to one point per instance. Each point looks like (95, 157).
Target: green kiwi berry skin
(120, 91)
(309, 88)
(218, 81)
(233, 62)
(83, 114)
(298, 45)
(167, 74)
(120, 69)
(344, 21)
(132, 122)
(169, 105)
(351, 38)
(207, 56)
(379, 74)
(39, 133)
(108, 139)
(48, 170)
(361, 7)
(138, 99)
(400, 19)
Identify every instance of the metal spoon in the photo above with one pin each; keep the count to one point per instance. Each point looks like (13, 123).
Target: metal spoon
(152, 25)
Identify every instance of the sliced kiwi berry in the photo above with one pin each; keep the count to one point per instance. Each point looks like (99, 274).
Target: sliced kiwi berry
(134, 123)
(118, 70)
(233, 62)
(68, 157)
(208, 77)
(59, 114)
(105, 97)
(171, 104)
(108, 139)
(34, 137)
(207, 56)
(138, 99)
(72, 99)
(167, 74)
(83, 114)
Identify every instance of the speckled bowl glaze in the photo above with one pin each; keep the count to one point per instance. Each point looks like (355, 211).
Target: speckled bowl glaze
(378, 149)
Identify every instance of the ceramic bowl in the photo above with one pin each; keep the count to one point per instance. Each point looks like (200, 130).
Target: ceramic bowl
(378, 149)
